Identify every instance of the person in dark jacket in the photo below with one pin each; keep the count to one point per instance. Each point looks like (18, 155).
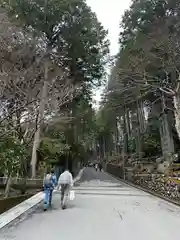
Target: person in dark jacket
(100, 167)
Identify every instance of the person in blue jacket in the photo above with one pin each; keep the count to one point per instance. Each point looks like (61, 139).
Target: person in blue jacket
(49, 183)
(54, 184)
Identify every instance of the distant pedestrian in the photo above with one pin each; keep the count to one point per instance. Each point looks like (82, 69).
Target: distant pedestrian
(65, 182)
(100, 167)
(96, 167)
(49, 182)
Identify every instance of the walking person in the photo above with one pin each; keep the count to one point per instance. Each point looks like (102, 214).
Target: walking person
(54, 184)
(100, 167)
(49, 183)
(65, 182)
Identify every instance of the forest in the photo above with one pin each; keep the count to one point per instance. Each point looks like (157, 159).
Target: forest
(54, 55)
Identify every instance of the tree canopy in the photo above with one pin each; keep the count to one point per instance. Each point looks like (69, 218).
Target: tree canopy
(53, 54)
(143, 86)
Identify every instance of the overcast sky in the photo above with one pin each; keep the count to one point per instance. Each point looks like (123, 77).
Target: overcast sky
(109, 13)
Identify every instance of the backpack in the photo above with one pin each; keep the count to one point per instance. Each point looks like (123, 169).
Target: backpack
(48, 179)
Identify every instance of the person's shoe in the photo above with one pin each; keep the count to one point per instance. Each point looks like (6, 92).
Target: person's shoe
(63, 207)
(45, 206)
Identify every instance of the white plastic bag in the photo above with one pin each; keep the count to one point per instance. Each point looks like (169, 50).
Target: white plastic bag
(71, 195)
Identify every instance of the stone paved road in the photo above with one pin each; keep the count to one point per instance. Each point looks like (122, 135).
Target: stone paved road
(105, 209)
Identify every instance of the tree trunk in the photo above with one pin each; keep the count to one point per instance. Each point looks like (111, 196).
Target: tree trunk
(128, 127)
(104, 148)
(167, 143)
(40, 119)
(125, 136)
(34, 152)
(117, 135)
(138, 141)
(8, 186)
(176, 100)
(139, 129)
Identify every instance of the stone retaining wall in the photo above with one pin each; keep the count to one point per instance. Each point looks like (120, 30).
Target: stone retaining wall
(166, 187)
(157, 183)
(115, 170)
(7, 203)
(20, 183)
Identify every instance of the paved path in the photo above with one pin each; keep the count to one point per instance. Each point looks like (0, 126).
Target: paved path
(105, 209)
